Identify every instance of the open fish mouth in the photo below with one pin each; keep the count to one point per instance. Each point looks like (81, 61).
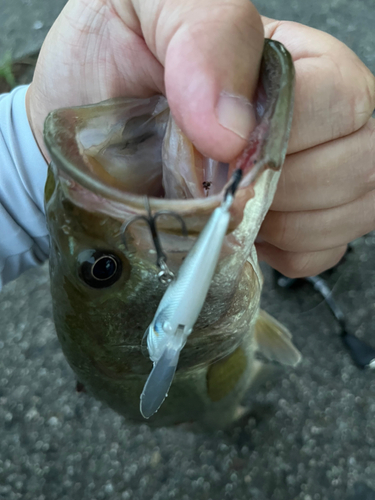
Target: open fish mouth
(115, 153)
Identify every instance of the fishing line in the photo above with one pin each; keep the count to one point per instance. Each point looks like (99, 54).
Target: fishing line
(299, 281)
(293, 283)
(361, 353)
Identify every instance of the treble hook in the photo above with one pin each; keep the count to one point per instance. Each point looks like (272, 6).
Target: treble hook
(165, 275)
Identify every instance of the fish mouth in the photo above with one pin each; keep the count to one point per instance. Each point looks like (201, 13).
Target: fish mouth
(113, 154)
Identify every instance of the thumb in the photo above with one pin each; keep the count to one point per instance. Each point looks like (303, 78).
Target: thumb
(211, 72)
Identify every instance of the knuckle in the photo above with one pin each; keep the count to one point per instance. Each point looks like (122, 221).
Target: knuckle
(299, 265)
(352, 94)
(335, 257)
(287, 234)
(363, 98)
(370, 89)
(369, 144)
(371, 224)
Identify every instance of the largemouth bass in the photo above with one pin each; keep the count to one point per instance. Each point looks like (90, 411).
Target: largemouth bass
(106, 160)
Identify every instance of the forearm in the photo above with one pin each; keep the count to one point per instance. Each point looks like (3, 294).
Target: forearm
(23, 170)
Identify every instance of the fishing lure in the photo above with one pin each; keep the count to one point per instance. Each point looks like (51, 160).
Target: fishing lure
(182, 303)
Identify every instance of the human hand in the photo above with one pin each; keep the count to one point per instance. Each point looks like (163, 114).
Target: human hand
(326, 193)
(192, 51)
(195, 50)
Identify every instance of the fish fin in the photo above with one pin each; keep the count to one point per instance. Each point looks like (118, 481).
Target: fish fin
(159, 381)
(223, 375)
(275, 340)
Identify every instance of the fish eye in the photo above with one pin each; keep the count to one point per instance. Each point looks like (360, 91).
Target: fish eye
(99, 268)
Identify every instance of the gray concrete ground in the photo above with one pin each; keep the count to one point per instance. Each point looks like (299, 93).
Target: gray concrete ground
(24, 24)
(311, 432)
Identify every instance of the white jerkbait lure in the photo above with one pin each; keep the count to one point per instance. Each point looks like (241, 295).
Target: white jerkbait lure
(182, 303)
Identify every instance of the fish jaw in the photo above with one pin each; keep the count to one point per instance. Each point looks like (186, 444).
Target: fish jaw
(75, 135)
(101, 329)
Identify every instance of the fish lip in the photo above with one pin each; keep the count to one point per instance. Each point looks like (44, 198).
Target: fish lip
(76, 173)
(63, 123)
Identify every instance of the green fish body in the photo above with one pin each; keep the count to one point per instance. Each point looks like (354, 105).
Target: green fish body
(105, 159)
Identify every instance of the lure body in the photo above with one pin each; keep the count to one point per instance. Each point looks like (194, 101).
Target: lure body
(180, 307)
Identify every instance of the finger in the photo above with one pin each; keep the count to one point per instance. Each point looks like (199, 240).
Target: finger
(300, 265)
(320, 229)
(329, 175)
(335, 91)
(211, 50)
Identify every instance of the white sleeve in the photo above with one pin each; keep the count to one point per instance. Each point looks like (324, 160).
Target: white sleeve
(24, 238)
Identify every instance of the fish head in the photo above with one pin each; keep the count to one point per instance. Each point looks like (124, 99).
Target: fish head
(116, 164)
